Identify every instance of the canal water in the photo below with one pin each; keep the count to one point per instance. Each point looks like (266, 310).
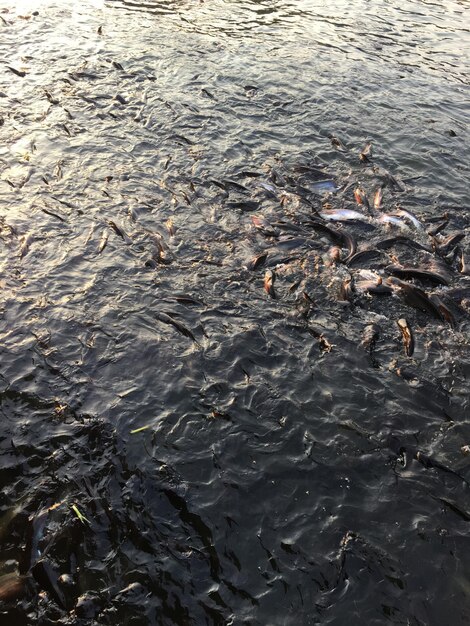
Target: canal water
(207, 416)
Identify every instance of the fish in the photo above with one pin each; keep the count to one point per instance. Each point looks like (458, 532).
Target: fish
(429, 462)
(269, 279)
(400, 239)
(117, 65)
(417, 272)
(386, 218)
(120, 99)
(378, 198)
(26, 241)
(257, 261)
(52, 214)
(268, 187)
(188, 300)
(244, 205)
(443, 310)
(410, 217)
(346, 291)
(463, 263)
(207, 93)
(361, 198)
(338, 236)
(407, 335)
(364, 256)
(49, 96)
(334, 254)
(324, 344)
(166, 319)
(119, 231)
(19, 73)
(370, 336)
(324, 186)
(47, 578)
(337, 143)
(453, 507)
(432, 232)
(373, 287)
(170, 225)
(264, 226)
(342, 215)
(415, 297)
(366, 153)
(103, 241)
(444, 247)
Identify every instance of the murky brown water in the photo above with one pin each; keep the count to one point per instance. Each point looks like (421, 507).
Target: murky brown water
(239, 458)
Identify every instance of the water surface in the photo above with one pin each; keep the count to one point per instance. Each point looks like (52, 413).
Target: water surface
(275, 481)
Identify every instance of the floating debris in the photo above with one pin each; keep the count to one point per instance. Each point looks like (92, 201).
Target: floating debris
(79, 514)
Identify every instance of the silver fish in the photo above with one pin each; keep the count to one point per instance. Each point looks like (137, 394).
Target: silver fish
(342, 215)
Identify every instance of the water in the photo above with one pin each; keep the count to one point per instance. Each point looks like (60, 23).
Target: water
(274, 479)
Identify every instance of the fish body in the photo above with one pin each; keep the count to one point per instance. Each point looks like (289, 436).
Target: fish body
(264, 226)
(407, 335)
(366, 153)
(378, 198)
(167, 319)
(269, 279)
(370, 336)
(410, 217)
(415, 297)
(324, 186)
(386, 218)
(342, 215)
(417, 272)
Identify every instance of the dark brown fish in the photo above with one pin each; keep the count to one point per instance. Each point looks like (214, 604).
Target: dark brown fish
(269, 279)
(366, 153)
(445, 246)
(364, 256)
(117, 65)
(400, 239)
(19, 73)
(324, 344)
(463, 263)
(337, 143)
(437, 229)
(120, 99)
(407, 335)
(370, 336)
(346, 291)
(257, 261)
(119, 231)
(415, 297)
(339, 236)
(188, 300)
(166, 319)
(100, 30)
(56, 215)
(207, 93)
(49, 96)
(417, 272)
(445, 313)
(264, 226)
